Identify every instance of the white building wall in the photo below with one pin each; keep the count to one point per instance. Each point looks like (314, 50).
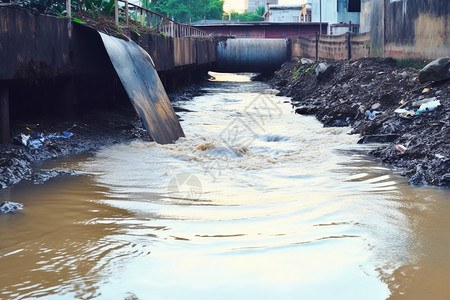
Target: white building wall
(284, 15)
(329, 12)
(344, 16)
(365, 16)
(333, 12)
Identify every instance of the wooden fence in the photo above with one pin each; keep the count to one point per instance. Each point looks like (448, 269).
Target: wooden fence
(333, 47)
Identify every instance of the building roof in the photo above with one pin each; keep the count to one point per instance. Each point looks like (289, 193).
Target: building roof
(258, 24)
(286, 7)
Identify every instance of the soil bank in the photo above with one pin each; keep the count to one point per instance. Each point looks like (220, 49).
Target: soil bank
(365, 94)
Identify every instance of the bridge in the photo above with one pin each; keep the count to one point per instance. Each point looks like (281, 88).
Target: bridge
(256, 46)
(262, 30)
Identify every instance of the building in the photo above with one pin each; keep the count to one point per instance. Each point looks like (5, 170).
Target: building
(289, 13)
(341, 15)
(254, 4)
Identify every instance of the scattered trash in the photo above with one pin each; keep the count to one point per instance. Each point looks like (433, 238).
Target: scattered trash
(429, 106)
(405, 113)
(401, 148)
(425, 90)
(9, 207)
(372, 115)
(35, 140)
(375, 106)
(424, 105)
(423, 101)
(305, 61)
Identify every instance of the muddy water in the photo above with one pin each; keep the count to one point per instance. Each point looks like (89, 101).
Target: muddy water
(256, 203)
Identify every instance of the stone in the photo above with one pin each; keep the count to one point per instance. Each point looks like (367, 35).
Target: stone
(436, 70)
(378, 138)
(322, 70)
(306, 110)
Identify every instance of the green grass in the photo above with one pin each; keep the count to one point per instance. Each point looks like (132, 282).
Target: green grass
(301, 69)
(412, 63)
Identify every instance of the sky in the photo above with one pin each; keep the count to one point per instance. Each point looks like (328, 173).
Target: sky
(238, 5)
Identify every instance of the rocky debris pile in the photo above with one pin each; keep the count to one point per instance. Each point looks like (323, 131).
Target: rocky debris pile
(382, 103)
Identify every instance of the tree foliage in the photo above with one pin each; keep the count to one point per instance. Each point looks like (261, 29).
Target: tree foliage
(195, 9)
(244, 17)
(260, 11)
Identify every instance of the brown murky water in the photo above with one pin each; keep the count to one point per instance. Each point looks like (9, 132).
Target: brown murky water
(256, 203)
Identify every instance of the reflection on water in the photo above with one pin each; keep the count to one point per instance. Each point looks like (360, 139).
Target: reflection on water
(256, 202)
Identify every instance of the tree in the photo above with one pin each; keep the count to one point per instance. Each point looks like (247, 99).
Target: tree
(260, 11)
(195, 9)
(249, 17)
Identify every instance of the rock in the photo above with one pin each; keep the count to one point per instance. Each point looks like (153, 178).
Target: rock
(378, 138)
(322, 71)
(436, 70)
(306, 110)
(418, 179)
(9, 207)
(321, 68)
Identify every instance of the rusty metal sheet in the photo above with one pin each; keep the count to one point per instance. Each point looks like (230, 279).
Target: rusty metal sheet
(136, 71)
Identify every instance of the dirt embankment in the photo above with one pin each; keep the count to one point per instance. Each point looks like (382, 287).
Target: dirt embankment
(369, 95)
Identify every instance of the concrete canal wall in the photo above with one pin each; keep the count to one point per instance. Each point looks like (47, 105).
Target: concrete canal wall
(53, 67)
(410, 28)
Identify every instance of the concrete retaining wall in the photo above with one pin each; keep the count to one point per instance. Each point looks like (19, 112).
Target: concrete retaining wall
(27, 45)
(332, 47)
(171, 53)
(50, 66)
(303, 47)
(410, 28)
(160, 49)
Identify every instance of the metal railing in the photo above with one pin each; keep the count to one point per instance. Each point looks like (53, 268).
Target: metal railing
(151, 19)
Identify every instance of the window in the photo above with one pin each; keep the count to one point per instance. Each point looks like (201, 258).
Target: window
(354, 5)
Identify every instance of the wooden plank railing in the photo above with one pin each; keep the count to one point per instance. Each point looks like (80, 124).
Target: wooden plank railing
(163, 24)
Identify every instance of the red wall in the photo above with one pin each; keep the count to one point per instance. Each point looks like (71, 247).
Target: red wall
(264, 30)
